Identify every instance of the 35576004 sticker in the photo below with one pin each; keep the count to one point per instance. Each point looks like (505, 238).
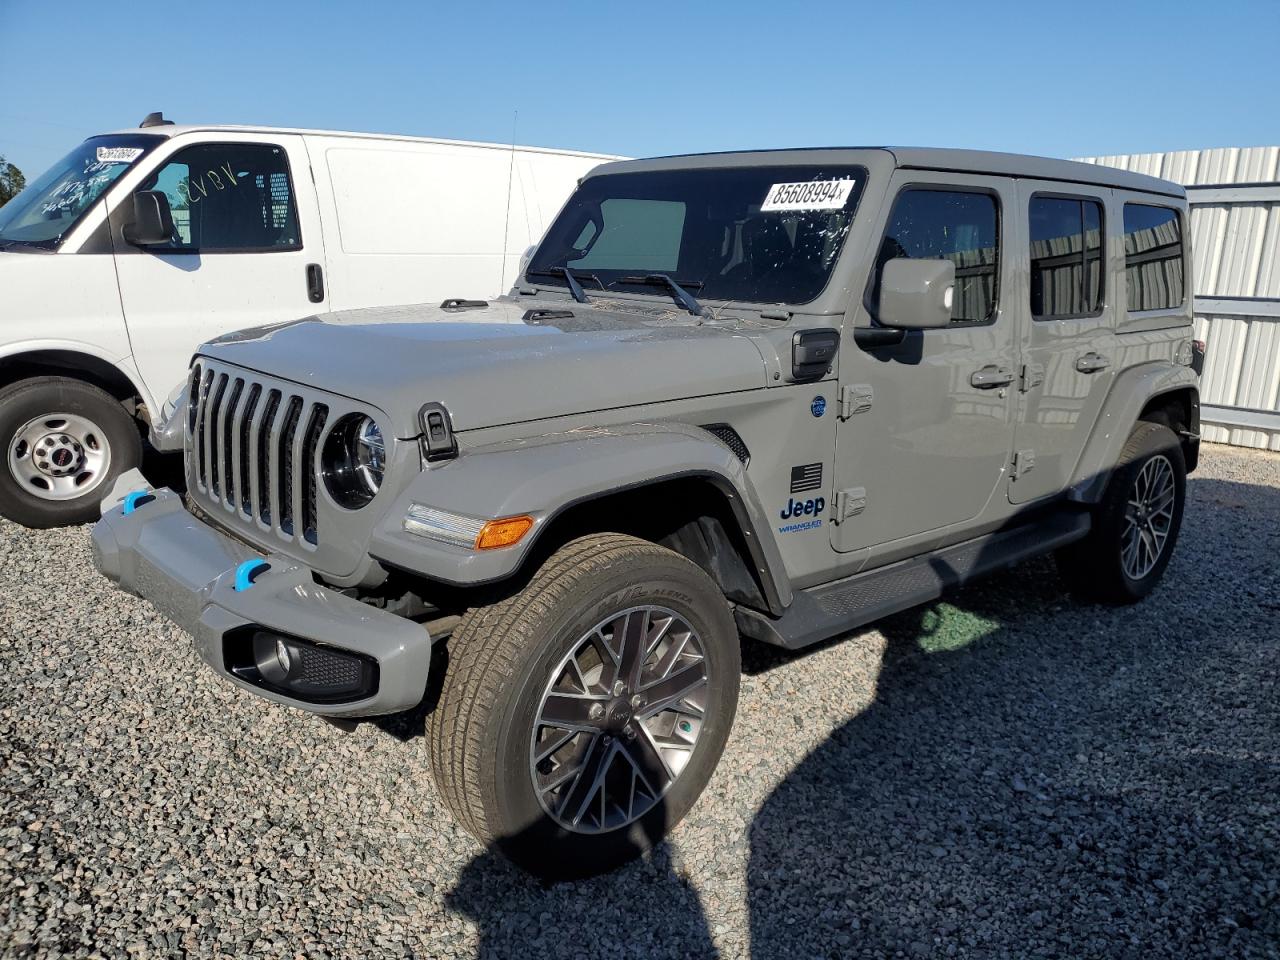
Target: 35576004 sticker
(811, 195)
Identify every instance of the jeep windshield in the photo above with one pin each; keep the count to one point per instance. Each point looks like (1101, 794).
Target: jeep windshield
(755, 234)
(42, 214)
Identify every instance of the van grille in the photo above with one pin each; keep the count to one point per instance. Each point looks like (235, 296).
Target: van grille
(252, 449)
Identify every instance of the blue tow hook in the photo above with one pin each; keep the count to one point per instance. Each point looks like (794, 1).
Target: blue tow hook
(136, 499)
(248, 572)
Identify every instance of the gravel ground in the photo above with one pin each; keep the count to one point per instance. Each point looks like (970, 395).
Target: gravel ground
(1006, 774)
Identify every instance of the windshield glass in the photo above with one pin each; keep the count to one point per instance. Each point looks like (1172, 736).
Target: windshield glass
(757, 234)
(43, 213)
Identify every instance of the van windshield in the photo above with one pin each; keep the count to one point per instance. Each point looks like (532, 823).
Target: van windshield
(43, 213)
(764, 234)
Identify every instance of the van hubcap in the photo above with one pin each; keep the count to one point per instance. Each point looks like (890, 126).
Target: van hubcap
(1148, 517)
(59, 457)
(619, 720)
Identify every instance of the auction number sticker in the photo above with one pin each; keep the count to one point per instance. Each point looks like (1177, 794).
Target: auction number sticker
(118, 154)
(811, 195)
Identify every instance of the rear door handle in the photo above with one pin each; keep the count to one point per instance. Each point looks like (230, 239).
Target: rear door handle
(1092, 363)
(989, 377)
(315, 283)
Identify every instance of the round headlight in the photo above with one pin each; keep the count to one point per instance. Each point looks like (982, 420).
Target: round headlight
(353, 460)
(370, 453)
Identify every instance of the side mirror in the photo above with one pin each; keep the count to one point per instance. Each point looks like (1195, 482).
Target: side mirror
(916, 294)
(152, 219)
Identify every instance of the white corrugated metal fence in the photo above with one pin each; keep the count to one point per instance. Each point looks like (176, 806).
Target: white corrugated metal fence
(1234, 194)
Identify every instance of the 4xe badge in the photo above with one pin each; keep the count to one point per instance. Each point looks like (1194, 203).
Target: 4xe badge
(819, 406)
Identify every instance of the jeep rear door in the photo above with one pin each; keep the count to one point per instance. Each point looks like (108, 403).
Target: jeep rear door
(1067, 334)
(926, 422)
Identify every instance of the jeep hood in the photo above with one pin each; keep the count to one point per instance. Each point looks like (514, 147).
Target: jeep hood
(501, 364)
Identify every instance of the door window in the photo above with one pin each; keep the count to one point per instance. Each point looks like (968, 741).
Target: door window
(959, 226)
(229, 198)
(1066, 257)
(1153, 256)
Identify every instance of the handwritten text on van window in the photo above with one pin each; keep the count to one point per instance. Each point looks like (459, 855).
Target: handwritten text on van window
(192, 189)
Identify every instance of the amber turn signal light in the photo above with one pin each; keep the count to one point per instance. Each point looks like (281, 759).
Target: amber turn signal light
(503, 533)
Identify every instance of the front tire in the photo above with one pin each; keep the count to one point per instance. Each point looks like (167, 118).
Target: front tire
(1136, 525)
(65, 443)
(580, 719)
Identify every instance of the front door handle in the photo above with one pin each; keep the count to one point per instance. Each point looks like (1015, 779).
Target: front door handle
(315, 283)
(1092, 363)
(990, 377)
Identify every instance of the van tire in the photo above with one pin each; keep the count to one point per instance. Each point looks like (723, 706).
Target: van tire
(99, 421)
(1094, 568)
(502, 662)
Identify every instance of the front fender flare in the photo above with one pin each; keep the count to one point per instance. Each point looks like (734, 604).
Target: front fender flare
(544, 476)
(1133, 389)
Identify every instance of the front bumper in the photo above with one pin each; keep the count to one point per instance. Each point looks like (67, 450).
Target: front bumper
(187, 569)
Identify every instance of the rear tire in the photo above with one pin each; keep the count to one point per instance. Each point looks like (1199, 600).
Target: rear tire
(513, 669)
(66, 441)
(1135, 527)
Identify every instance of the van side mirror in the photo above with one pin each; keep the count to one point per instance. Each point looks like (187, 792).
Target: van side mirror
(916, 294)
(152, 219)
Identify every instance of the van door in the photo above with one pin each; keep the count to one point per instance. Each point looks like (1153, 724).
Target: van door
(1067, 341)
(247, 249)
(927, 423)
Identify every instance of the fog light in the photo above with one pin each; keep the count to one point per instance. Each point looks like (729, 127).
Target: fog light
(299, 668)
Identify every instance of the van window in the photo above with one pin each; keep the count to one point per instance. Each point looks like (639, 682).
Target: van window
(948, 225)
(1153, 257)
(1066, 257)
(229, 198)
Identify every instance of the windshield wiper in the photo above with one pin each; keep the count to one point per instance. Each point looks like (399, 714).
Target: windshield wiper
(681, 295)
(575, 288)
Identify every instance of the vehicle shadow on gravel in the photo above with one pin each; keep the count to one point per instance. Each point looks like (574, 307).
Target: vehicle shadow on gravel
(1041, 777)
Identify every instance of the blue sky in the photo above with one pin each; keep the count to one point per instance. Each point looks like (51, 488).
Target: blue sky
(1063, 79)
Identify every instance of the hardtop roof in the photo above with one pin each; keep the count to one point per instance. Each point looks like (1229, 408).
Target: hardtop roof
(922, 158)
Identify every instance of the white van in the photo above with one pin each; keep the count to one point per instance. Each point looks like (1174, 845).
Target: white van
(139, 245)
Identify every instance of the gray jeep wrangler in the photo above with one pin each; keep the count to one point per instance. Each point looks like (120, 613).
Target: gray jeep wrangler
(775, 395)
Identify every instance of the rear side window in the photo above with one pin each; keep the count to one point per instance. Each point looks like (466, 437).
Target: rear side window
(230, 198)
(962, 227)
(1153, 257)
(1066, 257)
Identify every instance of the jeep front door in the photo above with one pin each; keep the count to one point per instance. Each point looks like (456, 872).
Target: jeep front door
(926, 422)
(1067, 342)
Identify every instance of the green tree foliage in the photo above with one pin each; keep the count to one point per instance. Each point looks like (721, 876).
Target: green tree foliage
(11, 181)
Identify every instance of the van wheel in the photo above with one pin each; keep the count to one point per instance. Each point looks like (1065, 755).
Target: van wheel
(580, 719)
(1135, 528)
(65, 443)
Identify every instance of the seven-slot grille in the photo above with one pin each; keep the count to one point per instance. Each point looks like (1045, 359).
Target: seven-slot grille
(252, 446)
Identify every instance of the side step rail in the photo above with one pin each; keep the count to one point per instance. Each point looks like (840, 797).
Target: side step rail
(831, 609)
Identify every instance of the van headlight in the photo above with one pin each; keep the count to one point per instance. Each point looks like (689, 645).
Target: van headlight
(353, 460)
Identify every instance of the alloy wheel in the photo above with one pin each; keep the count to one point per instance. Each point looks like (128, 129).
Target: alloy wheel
(619, 720)
(1148, 517)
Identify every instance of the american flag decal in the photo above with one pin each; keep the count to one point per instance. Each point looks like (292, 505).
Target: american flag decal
(806, 477)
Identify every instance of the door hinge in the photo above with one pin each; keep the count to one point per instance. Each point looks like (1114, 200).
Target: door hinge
(1024, 461)
(854, 398)
(849, 503)
(1032, 376)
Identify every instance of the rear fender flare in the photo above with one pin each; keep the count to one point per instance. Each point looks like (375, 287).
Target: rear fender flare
(1132, 391)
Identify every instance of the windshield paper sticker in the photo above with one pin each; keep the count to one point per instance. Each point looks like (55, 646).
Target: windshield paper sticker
(813, 195)
(118, 154)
